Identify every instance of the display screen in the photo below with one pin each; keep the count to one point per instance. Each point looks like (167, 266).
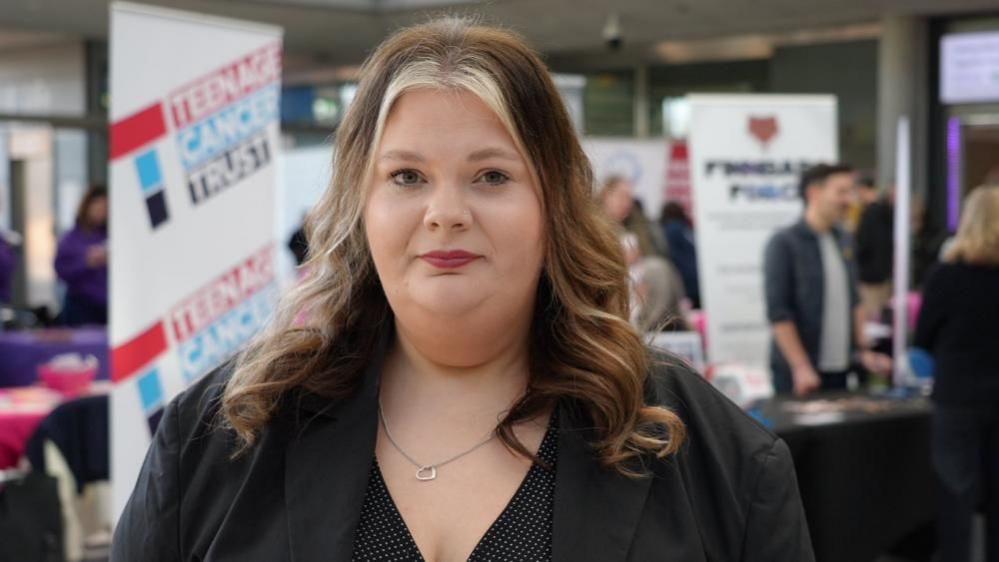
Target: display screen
(969, 67)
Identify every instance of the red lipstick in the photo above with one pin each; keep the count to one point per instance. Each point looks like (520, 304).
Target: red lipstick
(449, 259)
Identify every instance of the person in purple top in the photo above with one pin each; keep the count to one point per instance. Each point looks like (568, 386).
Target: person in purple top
(82, 262)
(8, 262)
(9, 242)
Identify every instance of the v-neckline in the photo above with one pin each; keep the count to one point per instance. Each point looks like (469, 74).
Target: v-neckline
(550, 433)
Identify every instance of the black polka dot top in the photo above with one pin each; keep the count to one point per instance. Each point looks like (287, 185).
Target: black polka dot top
(522, 532)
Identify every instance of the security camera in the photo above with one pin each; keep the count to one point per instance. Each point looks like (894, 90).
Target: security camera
(612, 32)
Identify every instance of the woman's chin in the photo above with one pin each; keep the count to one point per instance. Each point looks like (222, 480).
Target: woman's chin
(455, 306)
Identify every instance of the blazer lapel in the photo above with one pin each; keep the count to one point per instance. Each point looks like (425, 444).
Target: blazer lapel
(596, 510)
(328, 463)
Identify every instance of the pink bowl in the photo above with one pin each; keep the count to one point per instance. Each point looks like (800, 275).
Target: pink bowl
(67, 382)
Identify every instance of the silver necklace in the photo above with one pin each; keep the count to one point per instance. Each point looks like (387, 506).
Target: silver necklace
(426, 472)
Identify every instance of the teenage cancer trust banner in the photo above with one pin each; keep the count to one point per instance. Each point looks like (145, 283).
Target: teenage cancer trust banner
(194, 138)
(746, 155)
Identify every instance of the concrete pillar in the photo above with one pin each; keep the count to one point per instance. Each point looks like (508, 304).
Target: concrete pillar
(903, 90)
(641, 104)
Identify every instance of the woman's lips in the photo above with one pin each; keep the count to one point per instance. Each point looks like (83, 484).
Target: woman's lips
(451, 259)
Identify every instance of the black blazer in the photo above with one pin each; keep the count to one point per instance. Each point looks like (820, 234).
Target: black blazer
(731, 494)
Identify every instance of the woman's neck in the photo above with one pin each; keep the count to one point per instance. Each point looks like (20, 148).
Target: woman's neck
(420, 389)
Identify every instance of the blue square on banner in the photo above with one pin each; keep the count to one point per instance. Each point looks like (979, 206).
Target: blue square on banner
(149, 170)
(150, 390)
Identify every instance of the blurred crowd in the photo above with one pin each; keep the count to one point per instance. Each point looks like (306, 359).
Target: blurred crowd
(81, 265)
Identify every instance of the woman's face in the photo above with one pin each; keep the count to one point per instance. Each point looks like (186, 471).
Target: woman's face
(453, 214)
(618, 200)
(97, 212)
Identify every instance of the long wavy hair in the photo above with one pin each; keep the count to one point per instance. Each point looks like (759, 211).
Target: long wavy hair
(977, 239)
(582, 346)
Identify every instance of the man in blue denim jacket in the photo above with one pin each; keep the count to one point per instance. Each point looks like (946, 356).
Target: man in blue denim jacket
(811, 291)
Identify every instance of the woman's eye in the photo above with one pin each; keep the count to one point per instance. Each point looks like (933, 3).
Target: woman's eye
(493, 177)
(406, 177)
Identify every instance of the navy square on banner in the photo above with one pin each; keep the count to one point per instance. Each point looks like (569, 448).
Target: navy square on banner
(156, 203)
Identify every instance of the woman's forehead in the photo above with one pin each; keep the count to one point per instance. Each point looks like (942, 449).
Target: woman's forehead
(446, 121)
(442, 109)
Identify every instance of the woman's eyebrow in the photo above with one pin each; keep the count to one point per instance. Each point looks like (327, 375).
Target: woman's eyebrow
(404, 155)
(478, 155)
(492, 152)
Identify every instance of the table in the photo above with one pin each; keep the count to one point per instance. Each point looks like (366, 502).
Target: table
(864, 470)
(22, 351)
(21, 410)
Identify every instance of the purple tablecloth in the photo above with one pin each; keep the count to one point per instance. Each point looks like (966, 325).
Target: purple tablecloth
(22, 352)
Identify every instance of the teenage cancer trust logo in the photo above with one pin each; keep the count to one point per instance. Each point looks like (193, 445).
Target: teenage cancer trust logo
(135, 137)
(219, 122)
(147, 165)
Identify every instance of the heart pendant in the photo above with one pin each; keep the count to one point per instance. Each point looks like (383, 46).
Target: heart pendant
(426, 473)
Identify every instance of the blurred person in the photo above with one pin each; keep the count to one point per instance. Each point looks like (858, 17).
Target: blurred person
(9, 240)
(617, 196)
(866, 192)
(299, 245)
(466, 385)
(926, 241)
(992, 176)
(679, 234)
(811, 291)
(876, 253)
(959, 326)
(657, 287)
(82, 262)
(638, 222)
(867, 189)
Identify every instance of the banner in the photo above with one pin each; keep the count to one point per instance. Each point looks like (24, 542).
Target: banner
(678, 176)
(193, 142)
(746, 155)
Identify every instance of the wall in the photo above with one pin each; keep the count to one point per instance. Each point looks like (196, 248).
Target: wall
(43, 80)
(849, 70)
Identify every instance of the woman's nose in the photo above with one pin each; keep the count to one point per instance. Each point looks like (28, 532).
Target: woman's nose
(447, 208)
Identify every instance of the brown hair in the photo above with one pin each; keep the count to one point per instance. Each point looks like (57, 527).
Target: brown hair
(977, 239)
(94, 193)
(582, 346)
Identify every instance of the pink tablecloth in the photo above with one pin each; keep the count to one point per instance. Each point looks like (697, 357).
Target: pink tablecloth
(21, 410)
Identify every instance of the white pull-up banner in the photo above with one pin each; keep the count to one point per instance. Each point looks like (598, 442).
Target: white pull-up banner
(747, 153)
(193, 144)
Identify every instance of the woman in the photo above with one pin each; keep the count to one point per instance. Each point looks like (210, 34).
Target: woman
(959, 326)
(657, 289)
(465, 385)
(82, 262)
(679, 233)
(8, 265)
(617, 197)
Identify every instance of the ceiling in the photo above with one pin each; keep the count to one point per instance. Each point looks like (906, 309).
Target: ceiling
(341, 32)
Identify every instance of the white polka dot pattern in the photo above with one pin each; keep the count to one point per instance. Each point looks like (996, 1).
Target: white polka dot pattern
(522, 532)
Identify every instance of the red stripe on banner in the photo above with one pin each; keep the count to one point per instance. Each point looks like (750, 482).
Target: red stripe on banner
(129, 357)
(136, 130)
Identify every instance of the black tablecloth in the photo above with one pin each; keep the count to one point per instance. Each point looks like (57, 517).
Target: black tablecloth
(866, 479)
(79, 428)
